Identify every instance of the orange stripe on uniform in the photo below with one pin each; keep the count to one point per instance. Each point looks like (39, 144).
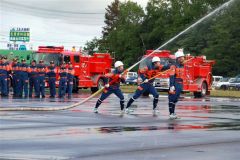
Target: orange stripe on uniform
(172, 70)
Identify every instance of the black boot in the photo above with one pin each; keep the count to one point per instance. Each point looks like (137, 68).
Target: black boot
(155, 102)
(171, 107)
(122, 104)
(131, 100)
(99, 102)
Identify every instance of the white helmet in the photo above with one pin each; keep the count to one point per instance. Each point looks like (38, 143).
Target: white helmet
(179, 53)
(118, 63)
(155, 59)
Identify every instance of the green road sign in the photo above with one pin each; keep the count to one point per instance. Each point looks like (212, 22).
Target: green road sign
(20, 34)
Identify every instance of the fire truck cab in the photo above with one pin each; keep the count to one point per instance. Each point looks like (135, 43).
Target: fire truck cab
(89, 69)
(198, 72)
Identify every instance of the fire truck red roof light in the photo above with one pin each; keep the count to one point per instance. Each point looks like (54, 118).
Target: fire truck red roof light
(51, 48)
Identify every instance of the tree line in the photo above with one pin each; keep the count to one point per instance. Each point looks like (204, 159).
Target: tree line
(130, 30)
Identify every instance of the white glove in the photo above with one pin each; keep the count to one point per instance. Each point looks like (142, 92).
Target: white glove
(145, 81)
(107, 85)
(172, 89)
(120, 76)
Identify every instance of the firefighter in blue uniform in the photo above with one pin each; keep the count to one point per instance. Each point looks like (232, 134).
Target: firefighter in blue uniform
(0, 68)
(33, 79)
(23, 83)
(4, 69)
(51, 73)
(147, 85)
(63, 81)
(70, 78)
(176, 82)
(17, 78)
(41, 78)
(8, 75)
(15, 70)
(112, 85)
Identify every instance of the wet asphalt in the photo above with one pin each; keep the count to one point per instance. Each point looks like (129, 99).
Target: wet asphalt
(208, 130)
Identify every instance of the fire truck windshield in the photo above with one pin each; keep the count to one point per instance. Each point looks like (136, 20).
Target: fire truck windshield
(148, 62)
(56, 57)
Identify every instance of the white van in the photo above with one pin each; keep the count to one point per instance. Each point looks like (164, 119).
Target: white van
(216, 80)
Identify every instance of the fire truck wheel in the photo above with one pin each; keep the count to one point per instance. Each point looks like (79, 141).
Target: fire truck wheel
(100, 84)
(203, 92)
(94, 89)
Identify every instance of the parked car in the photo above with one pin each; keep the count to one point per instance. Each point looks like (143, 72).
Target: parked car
(234, 84)
(216, 80)
(237, 87)
(131, 78)
(161, 84)
(224, 83)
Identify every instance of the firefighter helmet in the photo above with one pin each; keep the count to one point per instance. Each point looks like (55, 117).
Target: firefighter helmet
(118, 63)
(155, 59)
(179, 53)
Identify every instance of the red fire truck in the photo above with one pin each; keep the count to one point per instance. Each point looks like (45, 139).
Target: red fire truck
(89, 69)
(198, 72)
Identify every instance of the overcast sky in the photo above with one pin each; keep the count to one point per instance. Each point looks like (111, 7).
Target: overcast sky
(55, 22)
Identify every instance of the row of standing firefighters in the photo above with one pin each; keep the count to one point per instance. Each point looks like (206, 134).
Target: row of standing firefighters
(146, 76)
(26, 77)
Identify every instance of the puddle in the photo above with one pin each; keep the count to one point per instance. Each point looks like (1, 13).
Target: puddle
(171, 126)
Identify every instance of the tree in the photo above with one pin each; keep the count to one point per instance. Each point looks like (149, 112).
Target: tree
(129, 31)
(111, 17)
(125, 39)
(92, 46)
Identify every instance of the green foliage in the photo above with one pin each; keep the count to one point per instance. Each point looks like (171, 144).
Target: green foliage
(124, 37)
(111, 17)
(129, 31)
(92, 46)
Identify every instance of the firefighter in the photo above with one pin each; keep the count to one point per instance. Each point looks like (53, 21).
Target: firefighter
(41, 78)
(176, 83)
(147, 85)
(8, 74)
(63, 80)
(15, 74)
(33, 79)
(17, 78)
(23, 79)
(0, 71)
(70, 78)
(4, 69)
(51, 73)
(112, 85)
